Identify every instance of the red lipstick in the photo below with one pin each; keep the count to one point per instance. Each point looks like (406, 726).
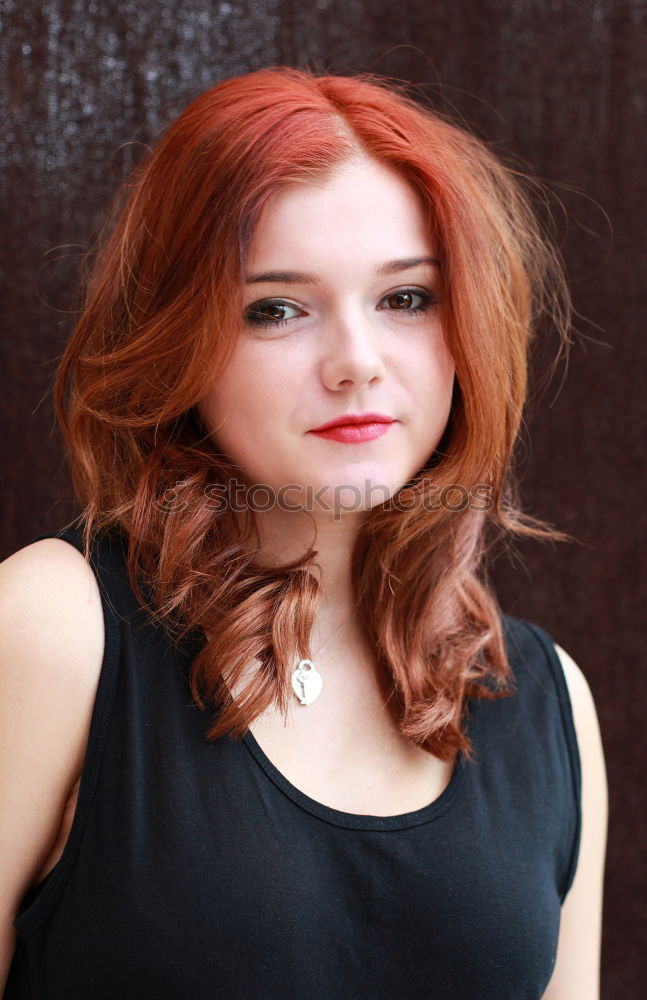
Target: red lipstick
(352, 428)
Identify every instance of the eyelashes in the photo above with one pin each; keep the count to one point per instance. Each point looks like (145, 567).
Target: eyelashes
(257, 314)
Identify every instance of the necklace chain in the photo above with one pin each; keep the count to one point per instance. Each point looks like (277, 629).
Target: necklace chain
(335, 633)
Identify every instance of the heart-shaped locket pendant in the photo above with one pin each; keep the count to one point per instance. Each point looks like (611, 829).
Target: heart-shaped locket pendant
(307, 682)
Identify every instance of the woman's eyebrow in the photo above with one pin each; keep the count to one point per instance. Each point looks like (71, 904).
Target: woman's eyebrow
(301, 278)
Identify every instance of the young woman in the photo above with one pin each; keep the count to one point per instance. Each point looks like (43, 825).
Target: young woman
(265, 731)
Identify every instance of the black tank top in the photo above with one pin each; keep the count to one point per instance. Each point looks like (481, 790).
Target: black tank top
(196, 871)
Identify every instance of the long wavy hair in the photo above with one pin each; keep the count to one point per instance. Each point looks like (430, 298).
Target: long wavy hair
(161, 316)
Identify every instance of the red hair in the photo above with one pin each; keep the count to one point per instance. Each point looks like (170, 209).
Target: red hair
(161, 316)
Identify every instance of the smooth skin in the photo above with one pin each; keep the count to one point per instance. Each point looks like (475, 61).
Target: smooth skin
(346, 346)
(346, 339)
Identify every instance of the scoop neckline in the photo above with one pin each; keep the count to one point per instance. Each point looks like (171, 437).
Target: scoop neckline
(366, 821)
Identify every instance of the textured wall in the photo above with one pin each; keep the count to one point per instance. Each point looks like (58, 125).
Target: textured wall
(563, 85)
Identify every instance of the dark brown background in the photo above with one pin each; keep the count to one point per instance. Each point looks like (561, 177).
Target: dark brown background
(560, 84)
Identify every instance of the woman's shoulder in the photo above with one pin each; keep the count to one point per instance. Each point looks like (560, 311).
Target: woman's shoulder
(51, 654)
(49, 584)
(528, 642)
(52, 635)
(579, 712)
(587, 729)
(576, 682)
(581, 916)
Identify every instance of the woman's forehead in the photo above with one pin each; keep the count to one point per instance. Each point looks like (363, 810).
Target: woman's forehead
(360, 207)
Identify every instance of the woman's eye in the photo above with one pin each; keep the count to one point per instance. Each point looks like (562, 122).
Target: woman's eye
(404, 301)
(269, 313)
(276, 312)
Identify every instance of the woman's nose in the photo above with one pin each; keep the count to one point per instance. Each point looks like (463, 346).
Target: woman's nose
(352, 353)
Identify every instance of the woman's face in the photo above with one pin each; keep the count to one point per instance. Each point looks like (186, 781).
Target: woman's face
(339, 318)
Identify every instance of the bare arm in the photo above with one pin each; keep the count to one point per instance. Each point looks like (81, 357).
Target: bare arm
(51, 651)
(577, 967)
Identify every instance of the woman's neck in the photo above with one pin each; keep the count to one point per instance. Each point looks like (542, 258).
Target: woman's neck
(286, 537)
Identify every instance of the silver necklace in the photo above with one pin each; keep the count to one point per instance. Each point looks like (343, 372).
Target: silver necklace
(307, 682)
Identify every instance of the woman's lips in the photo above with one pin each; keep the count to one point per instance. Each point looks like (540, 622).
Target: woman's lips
(354, 433)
